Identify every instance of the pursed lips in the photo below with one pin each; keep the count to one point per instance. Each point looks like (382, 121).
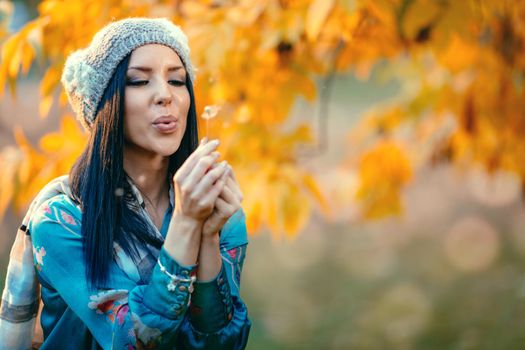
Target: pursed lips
(165, 119)
(165, 124)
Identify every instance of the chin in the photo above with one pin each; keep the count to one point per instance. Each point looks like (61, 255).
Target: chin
(167, 150)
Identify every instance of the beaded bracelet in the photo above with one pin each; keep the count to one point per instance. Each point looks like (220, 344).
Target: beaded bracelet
(176, 279)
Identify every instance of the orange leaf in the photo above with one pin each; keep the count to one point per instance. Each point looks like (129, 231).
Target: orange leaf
(49, 81)
(45, 105)
(312, 186)
(318, 11)
(51, 143)
(28, 54)
(13, 56)
(296, 210)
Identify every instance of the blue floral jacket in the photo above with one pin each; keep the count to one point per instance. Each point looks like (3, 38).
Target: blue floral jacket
(139, 309)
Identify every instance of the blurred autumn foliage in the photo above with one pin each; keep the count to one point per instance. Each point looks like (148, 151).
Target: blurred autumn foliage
(461, 65)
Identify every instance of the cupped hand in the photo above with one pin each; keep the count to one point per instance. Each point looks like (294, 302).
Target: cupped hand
(198, 183)
(226, 204)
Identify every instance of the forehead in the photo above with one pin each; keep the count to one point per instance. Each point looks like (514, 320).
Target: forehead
(153, 54)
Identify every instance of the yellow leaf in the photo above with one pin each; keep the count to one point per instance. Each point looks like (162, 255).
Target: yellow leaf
(193, 9)
(459, 54)
(45, 105)
(17, 52)
(318, 11)
(3, 77)
(245, 14)
(383, 171)
(295, 211)
(28, 53)
(313, 188)
(420, 14)
(15, 57)
(51, 143)
(70, 127)
(20, 138)
(49, 81)
(68, 141)
(270, 210)
(305, 85)
(63, 98)
(252, 209)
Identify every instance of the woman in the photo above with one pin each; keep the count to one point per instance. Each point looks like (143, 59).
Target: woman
(142, 245)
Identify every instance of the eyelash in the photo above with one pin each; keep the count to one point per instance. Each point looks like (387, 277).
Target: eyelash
(144, 82)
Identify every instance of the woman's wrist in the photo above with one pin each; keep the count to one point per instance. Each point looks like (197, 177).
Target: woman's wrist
(210, 239)
(187, 222)
(210, 261)
(183, 239)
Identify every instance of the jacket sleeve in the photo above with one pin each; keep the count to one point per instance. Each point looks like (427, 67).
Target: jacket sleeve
(122, 316)
(218, 318)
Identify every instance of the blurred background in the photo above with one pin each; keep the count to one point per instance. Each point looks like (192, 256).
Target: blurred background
(379, 145)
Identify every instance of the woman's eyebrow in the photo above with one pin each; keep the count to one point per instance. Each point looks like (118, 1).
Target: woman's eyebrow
(148, 69)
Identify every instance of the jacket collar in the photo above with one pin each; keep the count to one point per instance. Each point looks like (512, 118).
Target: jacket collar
(134, 199)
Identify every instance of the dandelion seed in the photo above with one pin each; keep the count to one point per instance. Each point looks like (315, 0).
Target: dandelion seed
(209, 113)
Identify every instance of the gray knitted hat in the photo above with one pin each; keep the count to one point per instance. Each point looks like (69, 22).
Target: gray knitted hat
(87, 71)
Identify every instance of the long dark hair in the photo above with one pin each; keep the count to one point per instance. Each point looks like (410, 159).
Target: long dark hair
(98, 179)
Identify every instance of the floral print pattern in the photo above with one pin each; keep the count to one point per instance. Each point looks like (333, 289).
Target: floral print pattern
(108, 303)
(38, 254)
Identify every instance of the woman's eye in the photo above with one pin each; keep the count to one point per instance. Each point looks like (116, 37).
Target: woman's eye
(177, 82)
(136, 82)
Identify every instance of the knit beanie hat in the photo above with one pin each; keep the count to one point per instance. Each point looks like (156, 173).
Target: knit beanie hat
(87, 71)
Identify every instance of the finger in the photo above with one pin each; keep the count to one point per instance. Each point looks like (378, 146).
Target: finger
(214, 164)
(228, 195)
(216, 155)
(188, 176)
(237, 187)
(234, 186)
(201, 168)
(232, 174)
(201, 151)
(204, 140)
(212, 193)
(222, 206)
(225, 209)
(208, 180)
(221, 214)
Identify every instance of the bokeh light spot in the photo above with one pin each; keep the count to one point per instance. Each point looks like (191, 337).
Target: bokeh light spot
(472, 244)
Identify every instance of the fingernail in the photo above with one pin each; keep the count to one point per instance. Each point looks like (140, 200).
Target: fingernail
(224, 163)
(216, 142)
(204, 140)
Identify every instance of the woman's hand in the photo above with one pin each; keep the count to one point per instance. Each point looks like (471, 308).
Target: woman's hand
(227, 203)
(198, 183)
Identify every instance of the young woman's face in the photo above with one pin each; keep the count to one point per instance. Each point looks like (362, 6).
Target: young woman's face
(156, 100)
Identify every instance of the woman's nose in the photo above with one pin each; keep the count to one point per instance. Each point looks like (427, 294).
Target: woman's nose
(163, 95)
